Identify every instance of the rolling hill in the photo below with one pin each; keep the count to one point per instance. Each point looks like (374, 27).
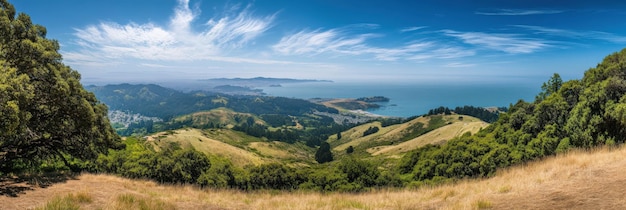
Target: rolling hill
(239, 148)
(437, 136)
(242, 149)
(219, 117)
(395, 140)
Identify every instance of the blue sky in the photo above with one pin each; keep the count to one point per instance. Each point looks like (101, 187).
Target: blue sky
(118, 41)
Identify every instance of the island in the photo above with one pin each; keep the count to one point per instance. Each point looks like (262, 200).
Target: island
(256, 81)
(247, 86)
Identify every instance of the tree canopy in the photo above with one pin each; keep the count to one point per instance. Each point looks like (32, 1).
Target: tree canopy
(44, 111)
(551, 86)
(324, 154)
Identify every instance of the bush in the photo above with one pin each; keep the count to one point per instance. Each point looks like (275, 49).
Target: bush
(273, 176)
(324, 154)
(370, 130)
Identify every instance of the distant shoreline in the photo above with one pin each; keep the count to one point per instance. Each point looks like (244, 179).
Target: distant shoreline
(358, 106)
(366, 113)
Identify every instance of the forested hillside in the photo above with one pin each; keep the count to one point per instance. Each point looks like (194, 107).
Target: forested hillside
(479, 112)
(165, 103)
(581, 113)
(275, 118)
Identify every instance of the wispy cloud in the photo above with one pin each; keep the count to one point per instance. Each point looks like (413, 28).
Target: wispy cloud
(152, 65)
(176, 42)
(459, 65)
(318, 41)
(509, 43)
(339, 42)
(442, 53)
(597, 35)
(414, 28)
(515, 12)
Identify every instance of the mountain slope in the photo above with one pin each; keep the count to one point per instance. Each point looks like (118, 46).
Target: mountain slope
(400, 138)
(219, 116)
(437, 136)
(235, 146)
(577, 180)
(199, 141)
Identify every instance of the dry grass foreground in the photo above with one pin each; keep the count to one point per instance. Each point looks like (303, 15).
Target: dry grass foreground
(577, 180)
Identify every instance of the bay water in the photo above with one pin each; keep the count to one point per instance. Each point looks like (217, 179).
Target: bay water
(412, 99)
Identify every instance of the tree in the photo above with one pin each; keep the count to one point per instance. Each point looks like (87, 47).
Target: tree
(44, 110)
(359, 171)
(273, 176)
(324, 154)
(350, 150)
(551, 86)
(370, 130)
(188, 165)
(338, 135)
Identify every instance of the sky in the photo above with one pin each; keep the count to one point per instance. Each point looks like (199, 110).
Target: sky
(374, 41)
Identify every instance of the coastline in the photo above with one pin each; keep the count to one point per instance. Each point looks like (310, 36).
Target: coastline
(365, 113)
(410, 99)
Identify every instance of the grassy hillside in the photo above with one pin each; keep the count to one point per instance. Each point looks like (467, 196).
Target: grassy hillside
(438, 136)
(219, 117)
(201, 142)
(239, 148)
(401, 138)
(576, 180)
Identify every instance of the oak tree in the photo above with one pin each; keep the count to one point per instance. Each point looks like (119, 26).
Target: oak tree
(44, 110)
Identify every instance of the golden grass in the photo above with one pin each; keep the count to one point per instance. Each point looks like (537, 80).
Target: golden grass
(437, 136)
(284, 151)
(230, 144)
(68, 202)
(577, 180)
(131, 201)
(196, 139)
(220, 115)
(354, 136)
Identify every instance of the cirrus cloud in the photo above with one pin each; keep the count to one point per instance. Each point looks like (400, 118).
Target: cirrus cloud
(339, 42)
(509, 43)
(517, 12)
(107, 42)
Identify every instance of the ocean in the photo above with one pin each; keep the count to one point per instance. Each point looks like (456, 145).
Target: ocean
(412, 99)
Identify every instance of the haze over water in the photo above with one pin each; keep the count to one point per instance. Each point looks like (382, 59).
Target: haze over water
(412, 99)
